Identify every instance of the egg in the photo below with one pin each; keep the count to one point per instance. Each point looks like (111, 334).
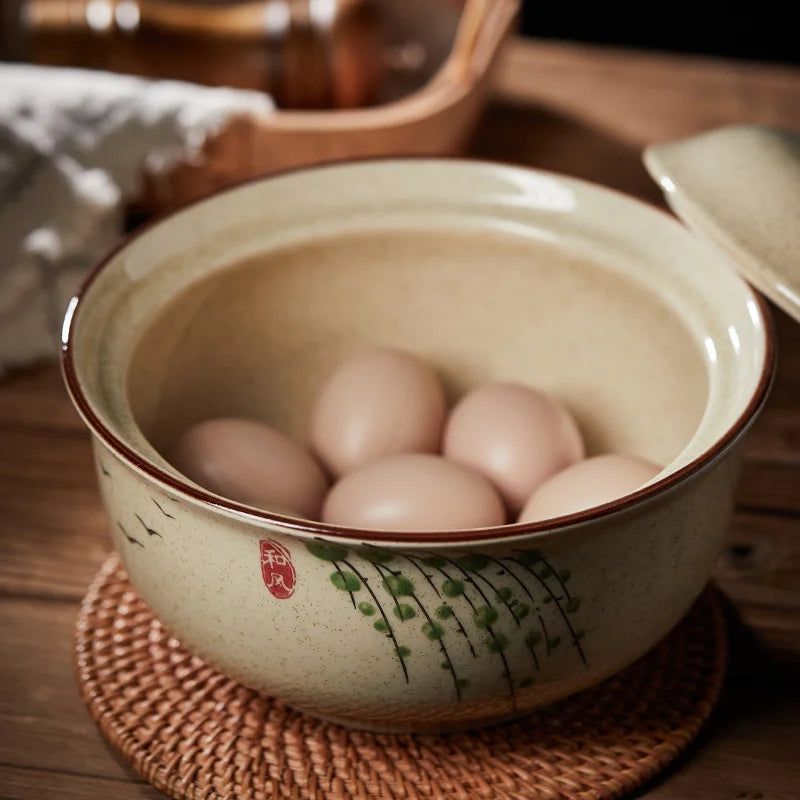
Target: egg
(587, 484)
(377, 404)
(413, 492)
(252, 463)
(514, 435)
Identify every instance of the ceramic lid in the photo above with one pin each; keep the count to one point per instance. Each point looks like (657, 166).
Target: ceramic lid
(740, 188)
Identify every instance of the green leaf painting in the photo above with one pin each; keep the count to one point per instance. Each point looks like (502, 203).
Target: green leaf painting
(469, 607)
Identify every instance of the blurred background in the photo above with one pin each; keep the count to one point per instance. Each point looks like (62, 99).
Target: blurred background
(327, 55)
(748, 31)
(760, 31)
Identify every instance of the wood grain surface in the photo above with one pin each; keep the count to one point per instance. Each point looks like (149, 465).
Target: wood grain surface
(574, 109)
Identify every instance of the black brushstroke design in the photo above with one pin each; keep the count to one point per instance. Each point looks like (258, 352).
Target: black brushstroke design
(442, 647)
(428, 577)
(131, 539)
(561, 583)
(390, 632)
(490, 631)
(546, 634)
(150, 531)
(509, 571)
(158, 506)
(543, 583)
(497, 595)
(460, 629)
(344, 582)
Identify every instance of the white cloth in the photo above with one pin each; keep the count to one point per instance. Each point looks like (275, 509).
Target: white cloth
(73, 147)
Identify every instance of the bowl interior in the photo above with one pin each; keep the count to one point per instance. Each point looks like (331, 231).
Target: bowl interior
(257, 339)
(244, 303)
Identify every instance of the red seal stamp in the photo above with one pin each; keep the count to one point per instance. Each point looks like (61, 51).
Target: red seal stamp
(277, 569)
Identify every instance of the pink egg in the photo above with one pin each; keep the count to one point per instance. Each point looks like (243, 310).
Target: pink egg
(413, 492)
(514, 435)
(380, 403)
(251, 463)
(587, 484)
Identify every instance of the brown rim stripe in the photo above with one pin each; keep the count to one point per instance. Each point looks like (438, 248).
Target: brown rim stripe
(311, 528)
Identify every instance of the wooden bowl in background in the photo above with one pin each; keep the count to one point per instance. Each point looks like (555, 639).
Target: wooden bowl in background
(436, 119)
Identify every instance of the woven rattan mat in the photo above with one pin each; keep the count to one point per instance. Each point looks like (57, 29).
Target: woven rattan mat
(195, 734)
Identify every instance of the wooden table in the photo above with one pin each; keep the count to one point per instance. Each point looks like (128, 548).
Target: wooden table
(582, 111)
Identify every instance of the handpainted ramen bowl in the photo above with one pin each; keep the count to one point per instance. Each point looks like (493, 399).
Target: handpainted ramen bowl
(239, 305)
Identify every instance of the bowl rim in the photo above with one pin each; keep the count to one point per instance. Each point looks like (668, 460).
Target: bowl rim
(313, 529)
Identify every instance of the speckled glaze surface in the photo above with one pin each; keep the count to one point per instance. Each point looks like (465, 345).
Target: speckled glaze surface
(740, 187)
(242, 303)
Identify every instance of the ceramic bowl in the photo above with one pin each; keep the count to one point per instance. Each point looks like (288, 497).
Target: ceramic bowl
(241, 305)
